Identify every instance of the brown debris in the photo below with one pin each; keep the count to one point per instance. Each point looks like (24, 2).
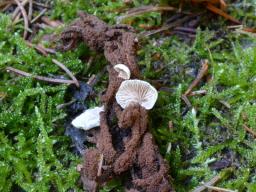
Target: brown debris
(249, 130)
(213, 181)
(123, 143)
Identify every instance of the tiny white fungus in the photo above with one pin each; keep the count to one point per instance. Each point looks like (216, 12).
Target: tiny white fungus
(123, 71)
(136, 91)
(88, 119)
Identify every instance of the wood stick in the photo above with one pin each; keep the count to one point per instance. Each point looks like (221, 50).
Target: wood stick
(30, 10)
(25, 17)
(218, 11)
(249, 130)
(41, 5)
(41, 78)
(39, 15)
(16, 11)
(62, 66)
(200, 75)
(38, 48)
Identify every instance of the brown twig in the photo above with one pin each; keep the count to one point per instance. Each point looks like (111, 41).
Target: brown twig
(249, 130)
(38, 48)
(25, 17)
(186, 100)
(62, 66)
(218, 11)
(17, 19)
(63, 105)
(203, 71)
(39, 15)
(48, 50)
(41, 78)
(186, 29)
(30, 10)
(17, 10)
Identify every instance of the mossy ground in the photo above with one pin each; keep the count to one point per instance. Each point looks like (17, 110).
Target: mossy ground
(36, 156)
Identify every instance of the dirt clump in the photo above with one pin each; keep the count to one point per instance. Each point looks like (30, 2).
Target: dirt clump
(123, 139)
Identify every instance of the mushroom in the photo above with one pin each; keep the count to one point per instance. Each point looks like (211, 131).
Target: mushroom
(90, 118)
(123, 71)
(136, 91)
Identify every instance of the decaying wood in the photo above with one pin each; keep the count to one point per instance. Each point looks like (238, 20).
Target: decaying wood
(125, 146)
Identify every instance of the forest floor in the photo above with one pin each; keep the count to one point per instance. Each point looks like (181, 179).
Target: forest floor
(202, 65)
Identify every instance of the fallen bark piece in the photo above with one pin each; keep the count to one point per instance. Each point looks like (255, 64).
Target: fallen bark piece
(123, 142)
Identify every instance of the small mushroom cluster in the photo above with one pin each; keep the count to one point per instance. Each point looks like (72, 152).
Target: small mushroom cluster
(130, 92)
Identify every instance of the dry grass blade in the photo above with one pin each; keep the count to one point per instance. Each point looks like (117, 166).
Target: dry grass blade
(41, 49)
(218, 189)
(25, 17)
(17, 19)
(62, 66)
(186, 29)
(186, 100)
(6, 7)
(142, 10)
(41, 78)
(41, 5)
(169, 26)
(213, 181)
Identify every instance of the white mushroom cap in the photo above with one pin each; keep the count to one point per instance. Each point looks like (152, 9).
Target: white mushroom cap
(123, 71)
(88, 119)
(136, 91)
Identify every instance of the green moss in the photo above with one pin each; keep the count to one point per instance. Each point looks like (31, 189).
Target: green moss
(34, 153)
(197, 138)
